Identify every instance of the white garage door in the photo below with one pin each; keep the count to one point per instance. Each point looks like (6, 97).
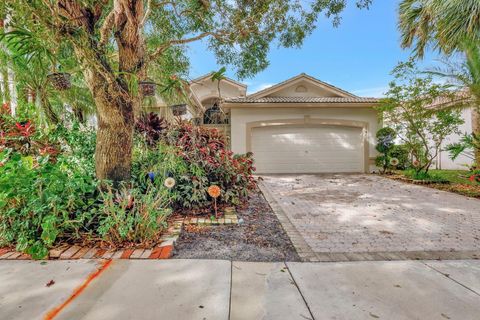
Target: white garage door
(288, 149)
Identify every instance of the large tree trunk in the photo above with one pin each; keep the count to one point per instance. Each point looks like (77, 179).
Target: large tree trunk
(115, 103)
(115, 113)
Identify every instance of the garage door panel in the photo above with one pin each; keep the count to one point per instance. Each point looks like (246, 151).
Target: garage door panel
(286, 149)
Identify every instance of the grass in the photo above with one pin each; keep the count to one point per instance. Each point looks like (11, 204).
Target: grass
(459, 182)
(455, 176)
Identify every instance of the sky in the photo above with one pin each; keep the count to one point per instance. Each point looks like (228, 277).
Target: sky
(356, 56)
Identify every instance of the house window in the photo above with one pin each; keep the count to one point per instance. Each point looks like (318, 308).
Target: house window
(214, 115)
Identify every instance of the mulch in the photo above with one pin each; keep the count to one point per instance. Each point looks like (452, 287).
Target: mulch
(259, 236)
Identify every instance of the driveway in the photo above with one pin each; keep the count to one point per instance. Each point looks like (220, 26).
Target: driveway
(358, 213)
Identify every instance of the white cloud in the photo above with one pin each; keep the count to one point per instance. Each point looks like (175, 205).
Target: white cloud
(260, 87)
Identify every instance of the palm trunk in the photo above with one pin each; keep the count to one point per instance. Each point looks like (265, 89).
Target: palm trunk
(476, 131)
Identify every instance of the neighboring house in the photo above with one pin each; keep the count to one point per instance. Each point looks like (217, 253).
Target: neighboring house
(462, 162)
(443, 160)
(301, 125)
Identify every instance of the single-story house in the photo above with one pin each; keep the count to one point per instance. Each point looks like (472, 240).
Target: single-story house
(301, 125)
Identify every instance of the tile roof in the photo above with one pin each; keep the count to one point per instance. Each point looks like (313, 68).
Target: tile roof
(297, 77)
(302, 100)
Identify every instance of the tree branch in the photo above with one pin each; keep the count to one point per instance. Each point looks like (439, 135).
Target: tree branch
(146, 14)
(107, 27)
(170, 43)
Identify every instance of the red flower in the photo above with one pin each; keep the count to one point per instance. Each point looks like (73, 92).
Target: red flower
(6, 108)
(26, 129)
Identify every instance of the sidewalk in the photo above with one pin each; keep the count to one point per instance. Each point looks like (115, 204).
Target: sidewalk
(213, 289)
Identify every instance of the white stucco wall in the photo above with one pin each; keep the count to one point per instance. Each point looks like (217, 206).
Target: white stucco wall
(443, 161)
(241, 116)
(207, 89)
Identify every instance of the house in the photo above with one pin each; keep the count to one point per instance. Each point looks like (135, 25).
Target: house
(301, 125)
(469, 117)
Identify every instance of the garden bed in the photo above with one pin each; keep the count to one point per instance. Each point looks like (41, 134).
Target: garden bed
(465, 189)
(258, 237)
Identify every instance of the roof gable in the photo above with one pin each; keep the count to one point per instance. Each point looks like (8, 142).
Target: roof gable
(208, 77)
(302, 85)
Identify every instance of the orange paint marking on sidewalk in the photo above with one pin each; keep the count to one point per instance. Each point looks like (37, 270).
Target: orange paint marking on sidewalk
(55, 311)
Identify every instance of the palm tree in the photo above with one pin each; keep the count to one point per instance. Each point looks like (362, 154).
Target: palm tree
(443, 24)
(466, 76)
(449, 26)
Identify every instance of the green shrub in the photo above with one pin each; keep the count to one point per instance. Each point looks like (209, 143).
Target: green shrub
(197, 158)
(385, 141)
(130, 215)
(42, 201)
(424, 176)
(401, 153)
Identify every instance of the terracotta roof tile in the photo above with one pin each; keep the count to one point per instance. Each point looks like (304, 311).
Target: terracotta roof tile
(303, 100)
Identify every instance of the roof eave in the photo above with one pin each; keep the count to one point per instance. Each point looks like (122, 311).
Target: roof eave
(300, 105)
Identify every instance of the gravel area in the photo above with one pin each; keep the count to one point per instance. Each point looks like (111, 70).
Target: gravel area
(259, 237)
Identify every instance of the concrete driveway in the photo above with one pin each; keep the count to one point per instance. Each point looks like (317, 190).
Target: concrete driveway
(367, 217)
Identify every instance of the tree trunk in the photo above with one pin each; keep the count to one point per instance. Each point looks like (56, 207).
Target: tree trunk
(476, 131)
(47, 108)
(113, 153)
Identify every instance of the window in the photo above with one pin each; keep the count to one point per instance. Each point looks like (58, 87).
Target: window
(214, 115)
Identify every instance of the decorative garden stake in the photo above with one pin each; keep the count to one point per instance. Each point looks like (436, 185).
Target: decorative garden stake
(169, 183)
(60, 80)
(214, 192)
(147, 88)
(151, 176)
(394, 162)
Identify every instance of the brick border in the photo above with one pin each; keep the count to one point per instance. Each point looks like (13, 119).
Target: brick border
(303, 249)
(230, 218)
(72, 252)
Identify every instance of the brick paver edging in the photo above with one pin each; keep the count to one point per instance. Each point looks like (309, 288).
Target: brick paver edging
(303, 249)
(67, 252)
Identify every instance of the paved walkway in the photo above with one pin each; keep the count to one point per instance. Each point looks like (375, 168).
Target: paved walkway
(357, 214)
(214, 289)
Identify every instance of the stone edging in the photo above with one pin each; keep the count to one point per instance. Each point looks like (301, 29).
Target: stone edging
(303, 249)
(68, 252)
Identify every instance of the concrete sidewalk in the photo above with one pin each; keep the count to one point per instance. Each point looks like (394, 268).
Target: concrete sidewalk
(213, 289)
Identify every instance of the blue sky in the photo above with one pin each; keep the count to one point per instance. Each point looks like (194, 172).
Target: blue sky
(356, 56)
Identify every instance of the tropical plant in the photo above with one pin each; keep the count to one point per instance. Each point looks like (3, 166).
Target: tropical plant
(449, 26)
(407, 108)
(468, 146)
(117, 43)
(129, 215)
(445, 25)
(465, 76)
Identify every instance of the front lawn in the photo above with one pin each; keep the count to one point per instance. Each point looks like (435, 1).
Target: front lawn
(458, 181)
(454, 176)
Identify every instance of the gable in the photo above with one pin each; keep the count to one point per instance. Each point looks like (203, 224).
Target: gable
(303, 86)
(204, 88)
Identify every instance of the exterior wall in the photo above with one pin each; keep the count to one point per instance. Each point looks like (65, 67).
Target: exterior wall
(207, 89)
(461, 163)
(304, 89)
(240, 117)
